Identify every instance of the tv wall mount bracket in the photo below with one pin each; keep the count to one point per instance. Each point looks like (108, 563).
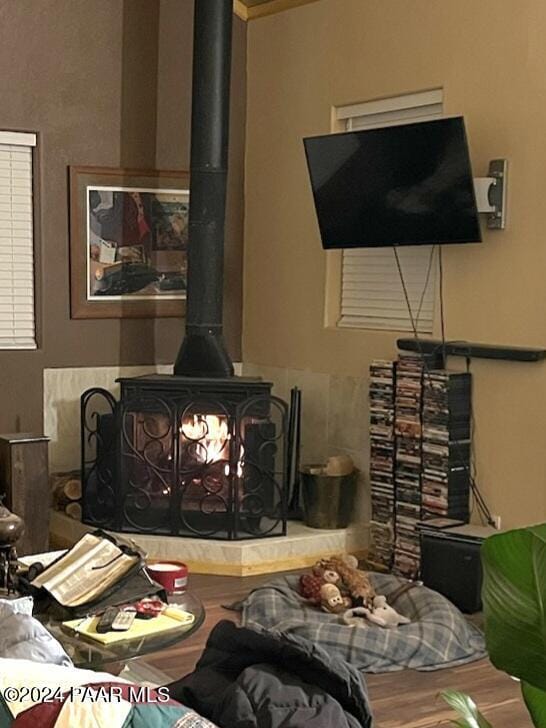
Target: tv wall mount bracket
(491, 194)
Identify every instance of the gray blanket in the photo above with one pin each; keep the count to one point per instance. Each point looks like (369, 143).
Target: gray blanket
(23, 638)
(438, 636)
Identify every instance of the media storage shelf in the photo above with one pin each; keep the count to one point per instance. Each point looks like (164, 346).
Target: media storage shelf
(473, 350)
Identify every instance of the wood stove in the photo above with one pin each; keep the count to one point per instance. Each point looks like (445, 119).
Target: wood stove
(185, 457)
(201, 453)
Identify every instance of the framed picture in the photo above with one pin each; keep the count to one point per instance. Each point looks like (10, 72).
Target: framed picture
(128, 242)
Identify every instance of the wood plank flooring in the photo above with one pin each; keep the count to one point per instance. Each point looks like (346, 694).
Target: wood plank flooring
(405, 699)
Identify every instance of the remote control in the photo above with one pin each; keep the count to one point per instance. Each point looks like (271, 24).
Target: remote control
(106, 620)
(123, 621)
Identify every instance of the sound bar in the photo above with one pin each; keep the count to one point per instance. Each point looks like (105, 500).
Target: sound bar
(472, 351)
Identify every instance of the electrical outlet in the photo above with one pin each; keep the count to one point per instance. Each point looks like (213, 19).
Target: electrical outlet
(497, 521)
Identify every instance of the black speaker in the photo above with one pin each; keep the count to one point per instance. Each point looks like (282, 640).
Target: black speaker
(451, 564)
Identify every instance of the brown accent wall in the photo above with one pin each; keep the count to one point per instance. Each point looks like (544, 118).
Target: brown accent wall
(105, 83)
(490, 57)
(173, 138)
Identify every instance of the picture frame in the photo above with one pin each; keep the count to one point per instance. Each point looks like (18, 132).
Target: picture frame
(128, 242)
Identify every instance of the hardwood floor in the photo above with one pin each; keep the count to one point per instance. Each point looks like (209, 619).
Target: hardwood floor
(408, 698)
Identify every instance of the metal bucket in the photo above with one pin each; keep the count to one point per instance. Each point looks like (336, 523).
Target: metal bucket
(328, 500)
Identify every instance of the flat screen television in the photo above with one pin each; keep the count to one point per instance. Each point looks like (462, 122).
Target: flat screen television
(399, 185)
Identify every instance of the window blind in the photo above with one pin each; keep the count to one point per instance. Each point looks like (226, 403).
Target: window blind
(17, 320)
(372, 296)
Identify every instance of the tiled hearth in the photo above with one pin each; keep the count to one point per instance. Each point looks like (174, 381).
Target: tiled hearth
(301, 547)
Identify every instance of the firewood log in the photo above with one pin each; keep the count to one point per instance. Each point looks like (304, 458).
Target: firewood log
(73, 489)
(66, 491)
(74, 510)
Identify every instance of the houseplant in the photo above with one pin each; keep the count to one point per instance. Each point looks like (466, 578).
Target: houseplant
(514, 601)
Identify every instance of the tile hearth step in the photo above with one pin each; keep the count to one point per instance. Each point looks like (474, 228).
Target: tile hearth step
(301, 547)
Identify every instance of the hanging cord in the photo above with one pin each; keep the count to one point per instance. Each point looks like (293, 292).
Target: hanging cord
(442, 315)
(425, 288)
(484, 512)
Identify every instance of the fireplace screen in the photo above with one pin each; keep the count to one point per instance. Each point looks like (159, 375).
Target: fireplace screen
(185, 463)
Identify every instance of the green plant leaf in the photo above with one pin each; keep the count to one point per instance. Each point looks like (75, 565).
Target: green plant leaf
(514, 599)
(466, 708)
(535, 700)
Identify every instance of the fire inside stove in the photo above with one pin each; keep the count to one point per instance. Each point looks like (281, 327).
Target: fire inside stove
(207, 439)
(159, 464)
(206, 457)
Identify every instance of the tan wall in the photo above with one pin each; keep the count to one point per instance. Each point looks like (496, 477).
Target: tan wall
(490, 58)
(104, 83)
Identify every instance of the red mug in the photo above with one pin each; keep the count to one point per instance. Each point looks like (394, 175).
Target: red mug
(172, 575)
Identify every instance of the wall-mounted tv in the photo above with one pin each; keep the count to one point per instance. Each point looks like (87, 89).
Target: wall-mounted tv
(399, 185)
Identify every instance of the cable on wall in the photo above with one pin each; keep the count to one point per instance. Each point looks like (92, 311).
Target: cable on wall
(481, 505)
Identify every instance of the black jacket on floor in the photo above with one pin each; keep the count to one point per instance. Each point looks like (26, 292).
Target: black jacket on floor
(249, 679)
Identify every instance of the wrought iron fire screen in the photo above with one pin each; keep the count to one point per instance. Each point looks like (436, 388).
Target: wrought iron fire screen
(185, 463)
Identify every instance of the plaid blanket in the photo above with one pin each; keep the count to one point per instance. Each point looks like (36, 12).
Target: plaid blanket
(438, 636)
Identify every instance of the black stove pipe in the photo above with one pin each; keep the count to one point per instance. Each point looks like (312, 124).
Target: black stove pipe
(203, 352)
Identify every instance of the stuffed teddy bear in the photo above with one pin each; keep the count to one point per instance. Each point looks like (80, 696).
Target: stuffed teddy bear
(310, 584)
(332, 600)
(381, 614)
(356, 582)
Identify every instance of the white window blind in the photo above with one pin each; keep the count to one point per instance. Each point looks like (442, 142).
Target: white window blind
(17, 322)
(372, 296)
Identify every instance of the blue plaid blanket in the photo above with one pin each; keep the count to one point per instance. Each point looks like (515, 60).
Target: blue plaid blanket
(438, 636)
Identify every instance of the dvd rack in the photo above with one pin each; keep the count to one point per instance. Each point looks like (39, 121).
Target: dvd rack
(420, 420)
(446, 445)
(408, 428)
(381, 398)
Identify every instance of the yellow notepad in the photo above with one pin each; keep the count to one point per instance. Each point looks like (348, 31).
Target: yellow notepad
(172, 619)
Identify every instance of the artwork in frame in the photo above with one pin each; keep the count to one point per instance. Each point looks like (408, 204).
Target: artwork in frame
(128, 242)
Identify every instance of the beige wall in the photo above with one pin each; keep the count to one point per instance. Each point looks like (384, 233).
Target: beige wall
(490, 58)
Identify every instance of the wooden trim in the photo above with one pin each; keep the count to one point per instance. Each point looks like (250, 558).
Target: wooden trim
(80, 307)
(263, 567)
(268, 8)
(334, 259)
(332, 288)
(240, 10)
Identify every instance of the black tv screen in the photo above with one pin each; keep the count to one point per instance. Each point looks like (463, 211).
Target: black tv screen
(399, 185)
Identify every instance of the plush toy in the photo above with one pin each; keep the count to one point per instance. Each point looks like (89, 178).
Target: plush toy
(356, 582)
(310, 584)
(381, 614)
(331, 599)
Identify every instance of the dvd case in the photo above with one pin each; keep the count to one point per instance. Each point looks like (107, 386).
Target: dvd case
(382, 460)
(420, 455)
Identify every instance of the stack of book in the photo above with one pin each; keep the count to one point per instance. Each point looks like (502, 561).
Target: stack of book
(382, 376)
(446, 445)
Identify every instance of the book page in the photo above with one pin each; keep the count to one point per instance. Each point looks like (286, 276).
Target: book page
(75, 555)
(87, 570)
(87, 583)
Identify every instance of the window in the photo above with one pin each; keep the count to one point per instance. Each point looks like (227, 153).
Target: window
(372, 296)
(17, 323)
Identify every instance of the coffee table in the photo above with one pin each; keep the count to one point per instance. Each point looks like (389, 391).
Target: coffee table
(85, 652)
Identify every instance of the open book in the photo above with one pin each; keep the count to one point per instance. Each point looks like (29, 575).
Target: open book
(87, 570)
